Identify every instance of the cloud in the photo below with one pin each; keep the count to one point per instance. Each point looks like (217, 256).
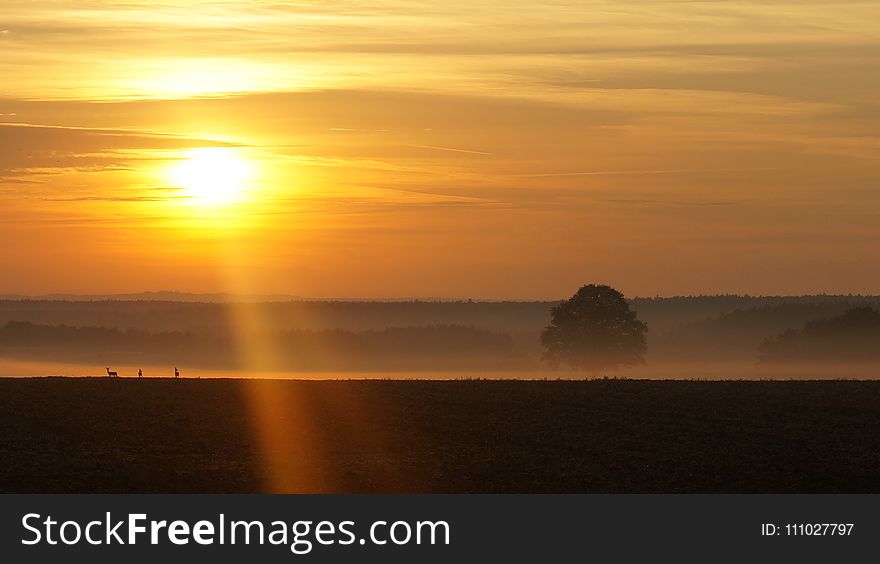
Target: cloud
(103, 50)
(26, 149)
(156, 194)
(451, 149)
(636, 172)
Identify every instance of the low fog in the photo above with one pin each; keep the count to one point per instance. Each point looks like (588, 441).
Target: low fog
(703, 337)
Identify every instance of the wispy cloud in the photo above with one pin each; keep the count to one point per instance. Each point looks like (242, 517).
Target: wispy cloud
(40, 149)
(161, 50)
(450, 149)
(636, 172)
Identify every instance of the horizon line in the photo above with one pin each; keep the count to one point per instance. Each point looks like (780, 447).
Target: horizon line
(228, 297)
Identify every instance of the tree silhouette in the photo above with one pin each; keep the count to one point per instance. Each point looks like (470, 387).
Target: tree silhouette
(853, 336)
(594, 329)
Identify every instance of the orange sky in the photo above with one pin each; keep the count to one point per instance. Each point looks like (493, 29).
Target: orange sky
(399, 149)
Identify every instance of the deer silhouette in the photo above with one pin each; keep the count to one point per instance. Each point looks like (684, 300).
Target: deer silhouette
(112, 373)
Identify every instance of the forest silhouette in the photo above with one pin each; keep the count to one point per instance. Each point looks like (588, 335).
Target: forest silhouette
(423, 335)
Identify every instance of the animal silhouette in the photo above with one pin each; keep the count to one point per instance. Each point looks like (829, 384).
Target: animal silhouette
(112, 373)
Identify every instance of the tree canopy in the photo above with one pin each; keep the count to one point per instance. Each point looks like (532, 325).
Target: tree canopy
(594, 329)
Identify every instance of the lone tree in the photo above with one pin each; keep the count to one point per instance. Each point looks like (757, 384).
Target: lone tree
(594, 329)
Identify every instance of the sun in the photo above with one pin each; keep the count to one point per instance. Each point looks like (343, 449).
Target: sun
(212, 175)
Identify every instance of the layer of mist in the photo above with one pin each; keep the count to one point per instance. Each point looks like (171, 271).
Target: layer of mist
(689, 337)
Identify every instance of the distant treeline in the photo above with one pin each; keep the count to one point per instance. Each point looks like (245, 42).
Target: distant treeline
(435, 347)
(522, 320)
(506, 317)
(852, 337)
(362, 335)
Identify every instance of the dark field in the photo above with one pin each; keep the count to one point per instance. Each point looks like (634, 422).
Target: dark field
(103, 435)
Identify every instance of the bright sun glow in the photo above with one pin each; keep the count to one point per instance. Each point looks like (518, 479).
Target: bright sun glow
(212, 175)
